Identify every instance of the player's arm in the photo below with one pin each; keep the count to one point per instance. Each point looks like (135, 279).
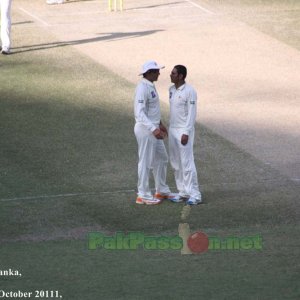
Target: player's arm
(140, 103)
(191, 117)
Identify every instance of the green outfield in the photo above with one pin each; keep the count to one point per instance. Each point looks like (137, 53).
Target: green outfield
(68, 163)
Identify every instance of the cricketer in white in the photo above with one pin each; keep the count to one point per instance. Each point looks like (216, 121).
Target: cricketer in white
(183, 111)
(149, 132)
(5, 7)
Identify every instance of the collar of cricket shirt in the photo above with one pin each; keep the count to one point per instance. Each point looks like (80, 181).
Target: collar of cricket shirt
(181, 87)
(148, 82)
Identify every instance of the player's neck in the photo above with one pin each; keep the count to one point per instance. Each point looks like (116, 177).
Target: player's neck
(179, 84)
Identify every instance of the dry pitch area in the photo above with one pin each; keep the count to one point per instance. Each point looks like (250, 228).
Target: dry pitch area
(247, 80)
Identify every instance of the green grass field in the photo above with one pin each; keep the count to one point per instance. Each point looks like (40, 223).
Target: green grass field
(68, 162)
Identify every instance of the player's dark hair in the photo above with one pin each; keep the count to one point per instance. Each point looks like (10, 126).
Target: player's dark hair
(181, 70)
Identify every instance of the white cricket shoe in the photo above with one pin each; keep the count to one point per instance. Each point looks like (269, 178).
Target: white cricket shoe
(194, 201)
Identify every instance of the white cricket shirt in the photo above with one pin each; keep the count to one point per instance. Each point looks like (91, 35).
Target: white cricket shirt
(183, 107)
(146, 105)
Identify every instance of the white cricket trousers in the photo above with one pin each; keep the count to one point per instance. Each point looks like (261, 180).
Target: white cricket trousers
(152, 155)
(5, 6)
(182, 161)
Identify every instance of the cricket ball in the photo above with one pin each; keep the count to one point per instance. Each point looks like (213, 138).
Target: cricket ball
(198, 242)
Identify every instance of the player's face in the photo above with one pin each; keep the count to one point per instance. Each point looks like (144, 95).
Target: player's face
(155, 74)
(174, 76)
(152, 75)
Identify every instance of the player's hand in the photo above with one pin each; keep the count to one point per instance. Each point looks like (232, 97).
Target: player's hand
(184, 139)
(158, 134)
(163, 130)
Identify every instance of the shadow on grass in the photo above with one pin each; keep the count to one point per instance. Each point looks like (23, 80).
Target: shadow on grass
(55, 144)
(104, 37)
(65, 130)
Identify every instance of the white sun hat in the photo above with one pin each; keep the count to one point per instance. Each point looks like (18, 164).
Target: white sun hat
(150, 65)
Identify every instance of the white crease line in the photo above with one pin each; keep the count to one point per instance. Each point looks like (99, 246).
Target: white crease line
(132, 190)
(296, 179)
(33, 16)
(201, 7)
(85, 13)
(45, 196)
(64, 195)
(155, 8)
